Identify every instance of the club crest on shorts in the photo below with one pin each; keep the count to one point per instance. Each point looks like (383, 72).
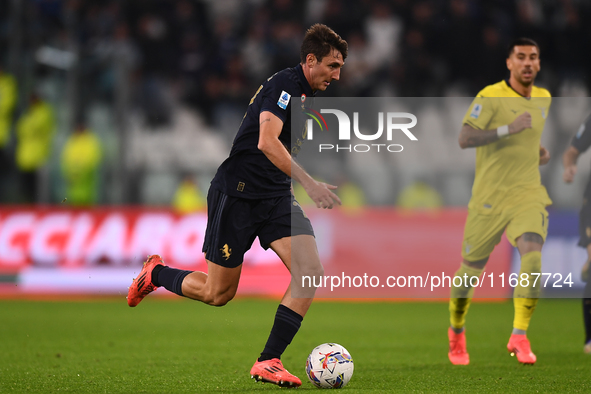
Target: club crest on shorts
(226, 252)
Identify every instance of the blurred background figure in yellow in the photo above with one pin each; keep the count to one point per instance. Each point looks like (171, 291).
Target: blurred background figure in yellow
(8, 97)
(34, 140)
(352, 196)
(419, 195)
(188, 198)
(81, 160)
(300, 194)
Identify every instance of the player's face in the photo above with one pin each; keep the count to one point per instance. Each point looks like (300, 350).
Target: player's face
(324, 72)
(524, 64)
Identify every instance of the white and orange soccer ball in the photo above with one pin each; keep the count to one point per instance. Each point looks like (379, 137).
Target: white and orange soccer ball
(329, 366)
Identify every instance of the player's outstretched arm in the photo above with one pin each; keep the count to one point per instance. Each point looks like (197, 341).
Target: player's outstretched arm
(269, 143)
(471, 137)
(569, 161)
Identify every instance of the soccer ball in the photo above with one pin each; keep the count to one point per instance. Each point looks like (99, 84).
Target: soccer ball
(329, 366)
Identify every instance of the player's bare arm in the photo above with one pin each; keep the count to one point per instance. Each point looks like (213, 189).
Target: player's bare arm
(569, 161)
(271, 146)
(544, 156)
(471, 137)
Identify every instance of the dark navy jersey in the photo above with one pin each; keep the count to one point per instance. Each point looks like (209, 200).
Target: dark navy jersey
(582, 140)
(247, 172)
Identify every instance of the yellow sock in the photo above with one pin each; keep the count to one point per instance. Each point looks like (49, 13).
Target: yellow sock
(461, 296)
(525, 298)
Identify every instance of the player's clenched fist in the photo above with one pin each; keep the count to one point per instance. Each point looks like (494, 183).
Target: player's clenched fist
(569, 173)
(520, 123)
(544, 156)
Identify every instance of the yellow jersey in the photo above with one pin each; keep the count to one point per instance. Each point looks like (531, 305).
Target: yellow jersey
(507, 170)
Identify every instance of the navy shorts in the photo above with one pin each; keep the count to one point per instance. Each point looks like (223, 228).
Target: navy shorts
(233, 224)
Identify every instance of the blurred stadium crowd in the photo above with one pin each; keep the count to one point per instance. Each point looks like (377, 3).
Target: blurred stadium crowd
(164, 83)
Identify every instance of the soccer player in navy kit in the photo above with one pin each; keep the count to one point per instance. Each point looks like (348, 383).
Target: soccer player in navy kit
(579, 144)
(251, 196)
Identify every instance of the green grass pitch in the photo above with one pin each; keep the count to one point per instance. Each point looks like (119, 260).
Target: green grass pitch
(180, 346)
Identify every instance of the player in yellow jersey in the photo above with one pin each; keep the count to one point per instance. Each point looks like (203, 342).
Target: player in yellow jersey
(504, 123)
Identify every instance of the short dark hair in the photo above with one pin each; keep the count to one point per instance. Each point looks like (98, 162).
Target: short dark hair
(319, 40)
(522, 41)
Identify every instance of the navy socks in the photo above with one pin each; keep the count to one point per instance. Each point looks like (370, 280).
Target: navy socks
(286, 325)
(170, 278)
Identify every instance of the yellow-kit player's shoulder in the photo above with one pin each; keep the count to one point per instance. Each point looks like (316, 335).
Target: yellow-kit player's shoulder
(499, 89)
(540, 92)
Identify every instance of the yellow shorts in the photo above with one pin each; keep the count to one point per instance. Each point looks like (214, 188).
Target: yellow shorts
(483, 230)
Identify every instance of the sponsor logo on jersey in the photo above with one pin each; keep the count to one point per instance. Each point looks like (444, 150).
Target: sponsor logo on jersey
(476, 111)
(283, 99)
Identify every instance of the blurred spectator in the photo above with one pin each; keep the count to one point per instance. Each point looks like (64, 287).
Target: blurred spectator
(8, 97)
(419, 195)
(190, 68)
(287, 37)
(256, 52)
(415, 74)
(383, 30)
(489, 53)
(462, 38)
(287, 10)
(236, 88)
(345, 16)
(530, 20)
(80, 166)
(34, 132)
(568, 43)
(189, 198)
(211, 54)
(157, 64)
(359, 79)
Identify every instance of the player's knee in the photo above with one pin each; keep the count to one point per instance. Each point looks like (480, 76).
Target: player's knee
(478, 264)
(314, 269)
(220, 301)
(529, 242)
(219, 298)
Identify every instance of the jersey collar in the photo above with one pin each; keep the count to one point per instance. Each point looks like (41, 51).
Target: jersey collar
(516, 92)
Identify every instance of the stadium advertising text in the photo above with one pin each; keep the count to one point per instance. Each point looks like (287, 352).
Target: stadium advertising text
(99, 250)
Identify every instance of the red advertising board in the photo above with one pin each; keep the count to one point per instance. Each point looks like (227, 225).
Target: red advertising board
(64, 250)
